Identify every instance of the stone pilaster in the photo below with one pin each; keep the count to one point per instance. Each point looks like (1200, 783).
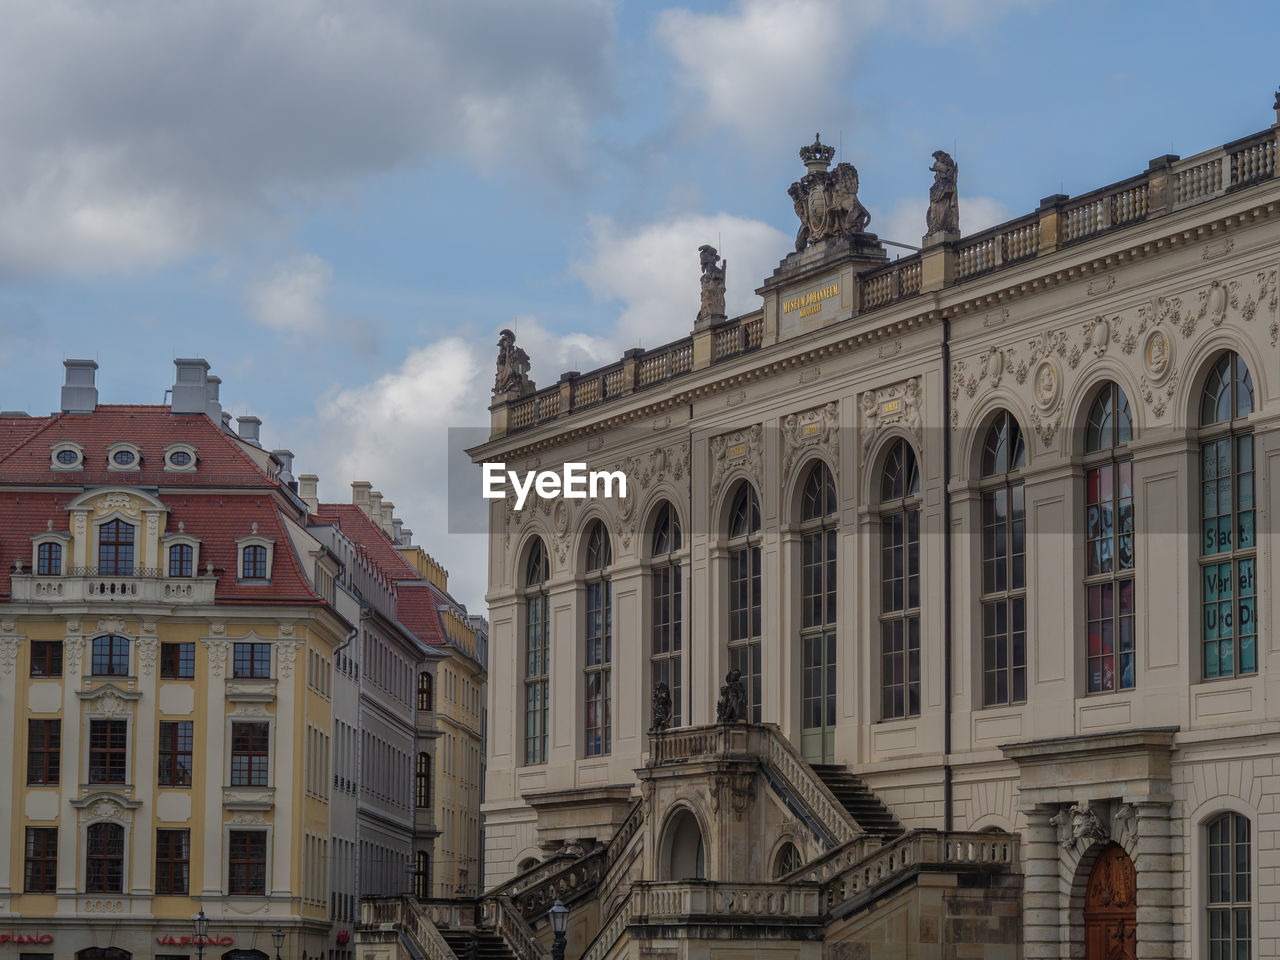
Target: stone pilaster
(1153, 859)
(1041, 935)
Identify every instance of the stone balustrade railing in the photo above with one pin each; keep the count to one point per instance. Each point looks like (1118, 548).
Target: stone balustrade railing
(1170, 184)
(763, 742)
(91, 588)
(573, 881)
(677, 901)
(921, 849)
(836, 860)
(610, 931)
(412, 918)
(511, 926)
(526, 881)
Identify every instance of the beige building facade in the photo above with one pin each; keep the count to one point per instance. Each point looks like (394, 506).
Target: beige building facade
(937, 619)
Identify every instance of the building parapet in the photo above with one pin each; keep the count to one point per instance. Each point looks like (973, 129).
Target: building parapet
(86, 586)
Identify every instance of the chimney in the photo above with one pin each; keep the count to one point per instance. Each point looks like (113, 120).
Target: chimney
(374, 512)
(360, 495)
(388, 508)
(397, 530)
(226, 421)
(191, 388)
(286, 465)
(307, 484)
(406, 537)
(79, 395)
(247, 428)
(212, 405)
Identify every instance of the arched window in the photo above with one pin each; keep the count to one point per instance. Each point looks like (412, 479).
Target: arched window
(683, 855)
(180, 557)
(1228, 571)
(818, 619)
(599, 652)
(422, 875)
(425, 699)
(668, 608)
(104, 858)
(115, 549)
(49, 560)
(1004, 581)
(900, 583)
(1109, 546)
(1229, 885)
(787, 861)
(537, 659)
(253, 565)
(422, 782)
(110, 657)
(744, 593)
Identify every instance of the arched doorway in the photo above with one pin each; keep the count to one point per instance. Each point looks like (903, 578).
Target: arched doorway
(683, 856)
(1111, 907)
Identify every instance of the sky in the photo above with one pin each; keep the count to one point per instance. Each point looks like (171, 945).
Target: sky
(339, 203)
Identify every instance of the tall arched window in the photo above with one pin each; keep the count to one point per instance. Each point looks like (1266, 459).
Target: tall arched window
(537, 653)
(1004, 581)
(115, 549)
(818, 619)
(180, 557)
(1228, 571)
(668, 608)
(900, 583)
(744, 593)
(1109, 546)
(426, 702)
(599, 652)
(1229, 884)
(104, 858)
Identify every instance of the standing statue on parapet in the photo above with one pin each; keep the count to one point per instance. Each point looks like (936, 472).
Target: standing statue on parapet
(661, 707)
(826, 201)
(732, 705)
(713, 269)
(513, 367)
(944, 198)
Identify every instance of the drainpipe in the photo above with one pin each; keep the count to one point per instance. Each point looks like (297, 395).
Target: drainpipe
(948, 802)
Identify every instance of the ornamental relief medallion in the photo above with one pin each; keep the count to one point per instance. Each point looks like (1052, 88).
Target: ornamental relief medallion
(896, 405)
(819, 427)
(117, 501)
(740, 448)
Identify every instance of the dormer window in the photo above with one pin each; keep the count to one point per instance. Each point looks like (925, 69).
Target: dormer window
(179, 458)
(123, 456)
(256, 554)
(67, 456)
(115, 548)
(49, 559)
(180, 560)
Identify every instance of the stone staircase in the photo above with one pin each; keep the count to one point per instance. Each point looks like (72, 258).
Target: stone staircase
(477, 944)
(864, 806)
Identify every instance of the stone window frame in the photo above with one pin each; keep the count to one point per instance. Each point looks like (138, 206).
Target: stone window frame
(48, 873)
(135, 552)
(825, 524)
(532, 591)
(227, 830)
(911, 501)
(254, 540)
(125, 446)
(597, 668)
(745, 539)
(171, 449)
(1007, 476)
(125, 845)
(269, 722)
(60, 446)
(675, 561)
(170, 540)
(62, 540)
(1198, 848)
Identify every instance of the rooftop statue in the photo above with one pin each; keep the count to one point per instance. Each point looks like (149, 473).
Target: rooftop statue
(826, 201)
(513, 367)
(713, 269)
(944, 200)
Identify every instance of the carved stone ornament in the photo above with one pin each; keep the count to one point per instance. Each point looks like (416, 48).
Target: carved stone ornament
(944, 199)
(286, 654)
(713, 283)
(896, 405)
(217, 629)
(105, 806)
(248, 819)
(1047, 384)
(733, 792)
(72, 652)
(826, 201)
(661, 707)
(148, 647)
(1126, 824)
(116, 501)
(8, 654)
(286, 628)
(1077, 823)
(732, 705)
(742, 447)
(8, 625)
(819, 427)
(1157, 355)
(217, 657)
(512, 376)
(112, 625)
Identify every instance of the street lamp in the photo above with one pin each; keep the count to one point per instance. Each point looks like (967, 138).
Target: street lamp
(277, 937)
(201, 923)
(559, 914)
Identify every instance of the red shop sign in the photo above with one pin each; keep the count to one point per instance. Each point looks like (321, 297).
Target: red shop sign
(172, 941)
(26, 938)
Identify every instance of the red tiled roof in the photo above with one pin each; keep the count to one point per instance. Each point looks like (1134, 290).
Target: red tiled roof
(218, 520)
(14, 430)
(220, 461)
(417, 609)
(369, 536)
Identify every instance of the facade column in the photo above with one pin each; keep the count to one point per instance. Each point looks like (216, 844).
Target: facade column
(9, 647)
(1041, 935)
(1153, 859)
(73, 649)
(215, 732)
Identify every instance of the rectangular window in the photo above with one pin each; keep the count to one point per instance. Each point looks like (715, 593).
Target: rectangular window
(49, 560)
(1229, 629)
(818, 634)
(254, 563)
(1004, 617)
(40, 871)
(744, 623)
(173, 862)
(1109, 552)
(250, 754)
(175, 753)
(247, 869)
(177, 661)
(115, 549)
(46, 658)
(44, 752)
(900, 614)
(1230, 897)
(537, 668)
(180, 558)
(599, 665)
(110, 657)
(108, 751)
(668, 626)
(252, 661)
(104, 858)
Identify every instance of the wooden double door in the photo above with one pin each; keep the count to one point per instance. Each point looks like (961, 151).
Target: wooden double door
(1111, 907)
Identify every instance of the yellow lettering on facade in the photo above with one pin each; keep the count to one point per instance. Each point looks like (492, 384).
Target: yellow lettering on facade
(810, 429)
(738, 450)
(890, 406)
(810, 302)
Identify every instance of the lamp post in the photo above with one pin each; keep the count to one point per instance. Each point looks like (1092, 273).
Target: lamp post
(201, 924)
(559, 914)
(277, 937)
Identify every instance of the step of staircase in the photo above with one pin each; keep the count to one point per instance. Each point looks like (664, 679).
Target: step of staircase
(488, 946)
(864, 806)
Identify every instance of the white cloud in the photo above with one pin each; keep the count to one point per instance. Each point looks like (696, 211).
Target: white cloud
(653, 271)
(131, 135)
(906, 221)
(291, 297)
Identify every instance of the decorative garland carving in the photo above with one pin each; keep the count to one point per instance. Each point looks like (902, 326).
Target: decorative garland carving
(286, 654)
(8, 654)
(741, 447)
(217, 657)
(733, 791)
(819, 427)
(895, 405)
(148, 647)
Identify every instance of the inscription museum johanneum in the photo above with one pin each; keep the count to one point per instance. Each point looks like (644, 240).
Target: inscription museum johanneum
(938, 619)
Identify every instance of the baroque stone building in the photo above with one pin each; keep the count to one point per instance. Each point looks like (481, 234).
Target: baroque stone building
(937, 619)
